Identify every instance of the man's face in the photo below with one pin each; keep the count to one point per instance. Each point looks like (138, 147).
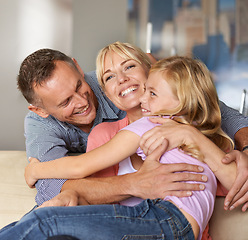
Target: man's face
(67, 97)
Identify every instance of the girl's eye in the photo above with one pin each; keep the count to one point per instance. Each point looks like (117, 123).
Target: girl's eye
(152, 94)
(131, 66)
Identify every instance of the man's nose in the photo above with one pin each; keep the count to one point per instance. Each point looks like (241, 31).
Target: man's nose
(80, 99)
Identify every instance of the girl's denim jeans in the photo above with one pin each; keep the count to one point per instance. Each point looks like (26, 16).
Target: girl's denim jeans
(151, 219)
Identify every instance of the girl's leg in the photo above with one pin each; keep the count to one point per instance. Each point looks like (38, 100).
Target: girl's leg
(143, 221)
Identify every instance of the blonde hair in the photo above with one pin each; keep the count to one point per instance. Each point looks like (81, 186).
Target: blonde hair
(124, 50)
(192, 83)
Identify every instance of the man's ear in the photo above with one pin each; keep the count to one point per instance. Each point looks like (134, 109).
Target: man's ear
(78, 67)
(40, 111)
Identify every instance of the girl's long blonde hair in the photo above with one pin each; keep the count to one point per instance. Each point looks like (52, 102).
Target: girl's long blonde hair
(192, 83)
(124, 50)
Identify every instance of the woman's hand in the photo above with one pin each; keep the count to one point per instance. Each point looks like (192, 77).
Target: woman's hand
(29, 172)
(238, 194)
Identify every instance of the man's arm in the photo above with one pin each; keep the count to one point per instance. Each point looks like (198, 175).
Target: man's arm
(44, 142)
(236, 126)
(141, 184)
(153, 180)
(241, 139)
(232, 122)
(70, 197)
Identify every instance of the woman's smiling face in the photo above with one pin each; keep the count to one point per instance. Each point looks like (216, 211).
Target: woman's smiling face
(123, 81)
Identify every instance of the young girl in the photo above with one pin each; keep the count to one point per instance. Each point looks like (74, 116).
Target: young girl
(180, 88)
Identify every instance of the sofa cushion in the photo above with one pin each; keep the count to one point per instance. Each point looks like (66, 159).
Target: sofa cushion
(228, 225)
(16, 197)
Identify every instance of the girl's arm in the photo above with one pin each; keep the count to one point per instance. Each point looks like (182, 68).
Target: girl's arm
(176, 134)
(213, 155)
(121, 146)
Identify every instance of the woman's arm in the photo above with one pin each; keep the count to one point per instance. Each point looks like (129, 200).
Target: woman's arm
(121, 146)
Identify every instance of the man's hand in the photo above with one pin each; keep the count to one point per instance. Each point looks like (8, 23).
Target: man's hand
(156, 180)
(64, 199)
(238, 194)
(29, 176)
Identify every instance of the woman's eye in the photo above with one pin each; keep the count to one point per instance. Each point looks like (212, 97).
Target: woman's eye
(107, 78)
(152, 94)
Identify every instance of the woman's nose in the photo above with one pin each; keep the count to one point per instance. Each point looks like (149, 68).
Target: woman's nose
(122, 77)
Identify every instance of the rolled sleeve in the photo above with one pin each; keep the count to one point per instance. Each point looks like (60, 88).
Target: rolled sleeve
(232, 120)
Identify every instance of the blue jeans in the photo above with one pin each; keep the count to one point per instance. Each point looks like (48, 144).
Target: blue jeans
(151, 219)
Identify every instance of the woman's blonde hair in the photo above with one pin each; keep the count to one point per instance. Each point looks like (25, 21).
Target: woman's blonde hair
(124, 50)
(192, 83)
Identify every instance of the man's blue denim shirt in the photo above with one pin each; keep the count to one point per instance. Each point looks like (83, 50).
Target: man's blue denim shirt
(48, 138)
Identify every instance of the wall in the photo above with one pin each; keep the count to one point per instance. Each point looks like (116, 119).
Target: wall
(96, 24)
(77, 27)
(26, 26)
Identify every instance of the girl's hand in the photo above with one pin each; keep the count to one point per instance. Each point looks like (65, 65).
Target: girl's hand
(238, 194)
(169, 132)
(29, 172)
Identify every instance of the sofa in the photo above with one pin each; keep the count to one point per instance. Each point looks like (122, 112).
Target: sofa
(17, 199)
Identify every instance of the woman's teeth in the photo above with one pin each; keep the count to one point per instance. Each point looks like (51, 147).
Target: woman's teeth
(125, 92)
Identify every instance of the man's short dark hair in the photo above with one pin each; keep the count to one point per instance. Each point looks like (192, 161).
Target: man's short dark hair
(36, 69)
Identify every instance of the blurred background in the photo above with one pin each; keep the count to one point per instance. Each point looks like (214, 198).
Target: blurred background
(216, 31)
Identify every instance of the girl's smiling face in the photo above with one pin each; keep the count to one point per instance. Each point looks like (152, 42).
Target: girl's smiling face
(158, 95)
